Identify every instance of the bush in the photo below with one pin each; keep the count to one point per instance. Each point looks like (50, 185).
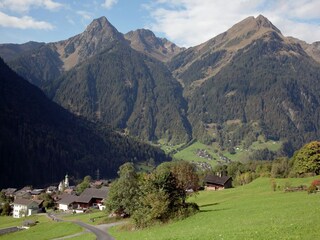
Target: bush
(312, 189)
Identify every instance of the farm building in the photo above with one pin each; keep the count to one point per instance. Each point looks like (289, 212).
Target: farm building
(213, 182)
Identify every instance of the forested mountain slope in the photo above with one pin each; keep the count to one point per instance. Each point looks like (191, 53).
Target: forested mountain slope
(40, 141)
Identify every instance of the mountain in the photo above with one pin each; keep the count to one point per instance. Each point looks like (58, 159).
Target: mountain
(197, 64)
(247, 83)
(145, 41)
(251, 81)
(128, 90)
(40, 141)
(45, 64)
(98, 75)
(10, 51)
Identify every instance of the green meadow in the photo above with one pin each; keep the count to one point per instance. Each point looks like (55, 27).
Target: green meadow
(45, 228)
(190, 153)
(253, 211)
(241, 154)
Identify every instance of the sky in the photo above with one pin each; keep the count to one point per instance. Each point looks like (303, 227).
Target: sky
(185, 22)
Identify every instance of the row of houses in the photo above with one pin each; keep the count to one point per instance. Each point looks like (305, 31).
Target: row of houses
(26, 200)
(89, 198)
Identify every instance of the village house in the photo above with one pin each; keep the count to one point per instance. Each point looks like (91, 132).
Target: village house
(9, 192)
(51, 189)
(213, 182)
(90, 197)
(67, 202)
(25, 207)
(35, 193)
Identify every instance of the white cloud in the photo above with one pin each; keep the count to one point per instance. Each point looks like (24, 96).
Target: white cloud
(109, 3)
(85, 15)
(23, 6)
(24, 22)
(189, 22)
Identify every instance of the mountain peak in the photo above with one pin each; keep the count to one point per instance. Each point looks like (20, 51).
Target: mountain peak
(97, 36)
(145, 41)
(251, 24)
(262, 21)
(100, 24)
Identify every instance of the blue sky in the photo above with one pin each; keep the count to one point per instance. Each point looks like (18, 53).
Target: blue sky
(184, 22)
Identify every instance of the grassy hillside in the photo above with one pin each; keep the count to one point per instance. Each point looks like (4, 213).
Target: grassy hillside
(192, 153)
(253, 211)
(45, 229)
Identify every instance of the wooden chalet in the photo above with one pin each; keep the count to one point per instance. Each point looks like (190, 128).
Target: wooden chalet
(92, 197)
(213, 182)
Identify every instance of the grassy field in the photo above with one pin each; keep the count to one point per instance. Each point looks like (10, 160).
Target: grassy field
(45, 229)
(99, 217)
(190, 153)
(253, 211)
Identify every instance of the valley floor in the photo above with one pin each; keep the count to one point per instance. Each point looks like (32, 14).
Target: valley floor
(253, 211)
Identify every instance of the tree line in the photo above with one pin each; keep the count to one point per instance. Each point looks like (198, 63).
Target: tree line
(305, 162)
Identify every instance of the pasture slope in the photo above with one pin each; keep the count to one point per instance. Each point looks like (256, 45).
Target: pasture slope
(253, 211)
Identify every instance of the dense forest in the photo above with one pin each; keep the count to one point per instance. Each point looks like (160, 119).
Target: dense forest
(40, 141)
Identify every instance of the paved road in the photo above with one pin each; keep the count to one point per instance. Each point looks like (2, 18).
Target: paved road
(99, 230)
(101, 235)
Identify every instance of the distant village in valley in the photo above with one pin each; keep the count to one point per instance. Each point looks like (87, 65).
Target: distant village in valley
(64, 197)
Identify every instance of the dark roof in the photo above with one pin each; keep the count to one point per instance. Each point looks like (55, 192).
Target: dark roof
(37, 191)
(213, 179)
(9, 191)
(90, 193)
(68, 199)
(26, 202)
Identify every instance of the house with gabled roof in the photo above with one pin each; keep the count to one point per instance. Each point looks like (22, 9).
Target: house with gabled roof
(92, 197)
(9, 192)
(25, 207)
(67, 202)
(213, 182)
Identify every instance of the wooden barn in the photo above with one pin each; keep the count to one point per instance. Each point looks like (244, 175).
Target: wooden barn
(213, 182)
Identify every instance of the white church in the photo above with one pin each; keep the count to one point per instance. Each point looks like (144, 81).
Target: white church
(64, 184)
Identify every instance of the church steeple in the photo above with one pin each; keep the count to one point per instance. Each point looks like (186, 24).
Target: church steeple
(66, 181)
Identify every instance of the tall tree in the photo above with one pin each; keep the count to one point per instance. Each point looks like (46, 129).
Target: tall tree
(307, 159)
(124, 192)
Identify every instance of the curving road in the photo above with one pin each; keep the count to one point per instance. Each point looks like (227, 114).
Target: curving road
(100, 230)
(101, 235)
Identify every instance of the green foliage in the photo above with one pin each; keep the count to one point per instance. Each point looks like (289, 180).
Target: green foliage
(280, 168)
(124, 192)
(155, 197)
(5, 209)
(48, 201)
(83, 185)
(307, 159)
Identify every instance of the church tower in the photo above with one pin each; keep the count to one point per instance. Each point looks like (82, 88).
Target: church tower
(66, 181)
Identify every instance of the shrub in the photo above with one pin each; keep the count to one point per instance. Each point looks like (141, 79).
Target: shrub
(312, 189)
